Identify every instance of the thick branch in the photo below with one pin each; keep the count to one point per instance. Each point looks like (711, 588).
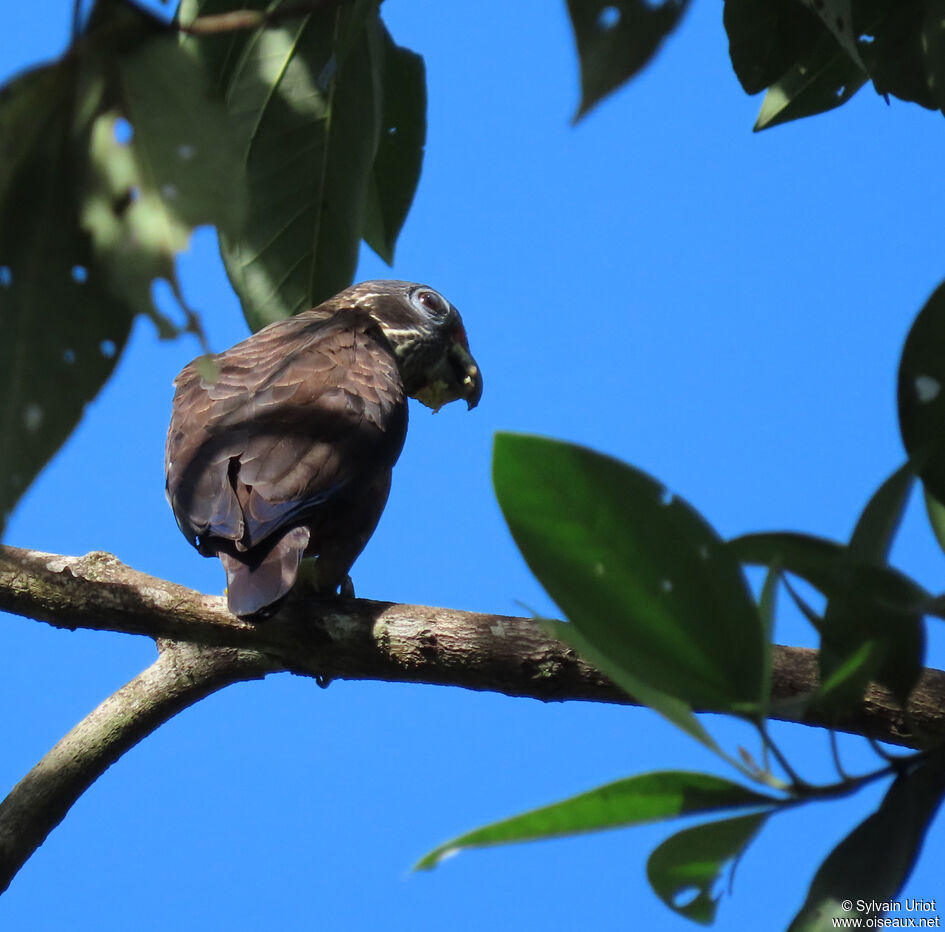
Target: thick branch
(360, 639)
(203, 648)
(182, 674)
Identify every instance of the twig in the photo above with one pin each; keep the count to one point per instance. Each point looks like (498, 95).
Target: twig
(76, 19)
(241, 20)
(182, 674)
(835, 753)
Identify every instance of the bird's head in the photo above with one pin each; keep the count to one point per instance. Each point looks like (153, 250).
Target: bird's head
(428, 338)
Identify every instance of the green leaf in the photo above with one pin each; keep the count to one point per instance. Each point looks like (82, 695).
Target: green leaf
(876, 528)
(936, 512)
(820, 80)
(63, 327)
(640, 574)
(867, 602)
(933, 49)
(399, 156)
(826, 565)
(636, 800)
(670, 707)
(766, 39)
(921, 395)
(685, 869)
(898, 57)
(843, 681)
(87, 220)
(310, 95)
(180, 169)
(874, 861)
(616, 39)
(856, 627)
(767, 610)
(837, 17)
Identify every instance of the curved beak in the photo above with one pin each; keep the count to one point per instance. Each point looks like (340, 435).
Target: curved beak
(468, 376)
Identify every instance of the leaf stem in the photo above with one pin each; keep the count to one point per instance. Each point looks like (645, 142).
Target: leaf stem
(240, 20)
(76, 20)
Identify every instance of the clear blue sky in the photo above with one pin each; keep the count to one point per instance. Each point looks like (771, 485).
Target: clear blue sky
(723, 309)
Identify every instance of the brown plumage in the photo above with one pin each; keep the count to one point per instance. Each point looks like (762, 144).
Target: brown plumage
(282, 446)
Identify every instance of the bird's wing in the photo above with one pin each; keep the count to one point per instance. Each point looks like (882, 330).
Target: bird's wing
(292, 417)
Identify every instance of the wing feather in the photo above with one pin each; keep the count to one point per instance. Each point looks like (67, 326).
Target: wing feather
(296, 414)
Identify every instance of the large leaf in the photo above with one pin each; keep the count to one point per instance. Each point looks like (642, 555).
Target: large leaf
(641, 575)
(868, 603)
(88, 220)
(316, 97)
(684, 871)
(933, 49)
(816, 59)
(874, 861)
(877, 526)
(827, 566)
(62, 327)
(856, 626)
(179, 169)
(837, 17)
(902, 48)
(636, 800)
(936, 514)
(922, 394)
(766, 39)
(671, 708)
(615, 39)
(396, 169)
(821, 79)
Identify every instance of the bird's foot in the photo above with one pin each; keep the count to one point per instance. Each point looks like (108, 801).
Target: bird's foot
(314, 577)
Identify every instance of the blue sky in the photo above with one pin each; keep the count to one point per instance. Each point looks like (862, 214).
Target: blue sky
(722, 309)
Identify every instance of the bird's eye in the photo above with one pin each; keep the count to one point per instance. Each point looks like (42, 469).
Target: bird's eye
(432, 302)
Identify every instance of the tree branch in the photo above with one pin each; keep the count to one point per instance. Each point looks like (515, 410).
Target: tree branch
(182, 674)
(204, 648)
(366, 640)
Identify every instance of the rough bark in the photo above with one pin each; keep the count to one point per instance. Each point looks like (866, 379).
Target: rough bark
(366, 640)
(203, 648)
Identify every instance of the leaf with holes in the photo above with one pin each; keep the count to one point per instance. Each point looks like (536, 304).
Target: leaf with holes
(649, 797)
(903, 47)
(308, 95)
(616, 39)
(685, 869)
(820, 80)
(62, 327)
(852, 871)
(87, 221)
(640, 574)
(922, 394)
(837, 16)
(179, 169)
(766, 39)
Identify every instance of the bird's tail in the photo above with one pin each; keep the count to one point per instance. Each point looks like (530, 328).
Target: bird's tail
(257, 590)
